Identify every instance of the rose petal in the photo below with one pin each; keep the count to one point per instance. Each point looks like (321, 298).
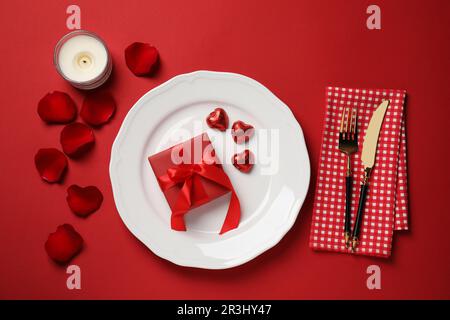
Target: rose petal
(98, 108)
(76, 139)
(63, 244)
(141, 58)
(84, 201)
(51, 164)
(57, 107)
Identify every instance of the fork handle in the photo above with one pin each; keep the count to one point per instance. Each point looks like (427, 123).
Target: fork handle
(348, 204)
(360, 213)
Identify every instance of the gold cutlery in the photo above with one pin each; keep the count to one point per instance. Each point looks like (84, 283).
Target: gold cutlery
(348, 144)
(368, 154)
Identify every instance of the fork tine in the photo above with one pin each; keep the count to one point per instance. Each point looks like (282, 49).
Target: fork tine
(341, 130)
(353, 122)
(348, 124)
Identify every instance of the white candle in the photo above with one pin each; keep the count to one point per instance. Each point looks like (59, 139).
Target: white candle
(82, 58)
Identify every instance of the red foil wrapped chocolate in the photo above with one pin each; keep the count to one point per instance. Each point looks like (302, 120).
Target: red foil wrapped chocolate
(190, 175)
(218, 119)
(244, 161)
(241, 131)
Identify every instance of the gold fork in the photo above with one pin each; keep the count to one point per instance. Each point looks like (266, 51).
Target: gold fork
(348, 144)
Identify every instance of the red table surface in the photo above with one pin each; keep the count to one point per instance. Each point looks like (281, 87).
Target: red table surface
(296, 49)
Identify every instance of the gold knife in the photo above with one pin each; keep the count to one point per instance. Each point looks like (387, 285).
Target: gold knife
(369, 151)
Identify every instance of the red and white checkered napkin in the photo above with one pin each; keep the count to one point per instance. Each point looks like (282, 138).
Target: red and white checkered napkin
(386, 206)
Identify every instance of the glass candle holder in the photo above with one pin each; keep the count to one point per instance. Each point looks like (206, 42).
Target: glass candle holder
(82, 58)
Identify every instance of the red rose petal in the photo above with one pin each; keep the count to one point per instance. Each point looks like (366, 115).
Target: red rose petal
(76, 139)
(51, 164)
(141, 58)
(98, 108)
(244, 161)
(84, 201)
(63, 244)
(241, 131)
(57, 107)
(218, 119)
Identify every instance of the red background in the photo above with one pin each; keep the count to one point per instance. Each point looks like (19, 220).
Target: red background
(295, 48)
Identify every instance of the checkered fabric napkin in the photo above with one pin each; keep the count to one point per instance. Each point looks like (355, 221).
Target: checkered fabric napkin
(386, 207)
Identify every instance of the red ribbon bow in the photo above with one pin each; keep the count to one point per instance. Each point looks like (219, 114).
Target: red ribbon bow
(190, 175)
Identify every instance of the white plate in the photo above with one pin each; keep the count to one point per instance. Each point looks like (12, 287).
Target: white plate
(271, 195)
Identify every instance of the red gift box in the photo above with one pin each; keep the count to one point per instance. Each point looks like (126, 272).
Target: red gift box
(190, 175)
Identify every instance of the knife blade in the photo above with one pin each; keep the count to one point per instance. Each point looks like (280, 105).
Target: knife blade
(368, 154)
(370, 143)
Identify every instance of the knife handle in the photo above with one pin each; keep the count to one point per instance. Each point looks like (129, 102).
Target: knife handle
(360, 213)
(348, 200)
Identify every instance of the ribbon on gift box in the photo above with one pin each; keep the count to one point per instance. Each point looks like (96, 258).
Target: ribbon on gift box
(190, 177)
